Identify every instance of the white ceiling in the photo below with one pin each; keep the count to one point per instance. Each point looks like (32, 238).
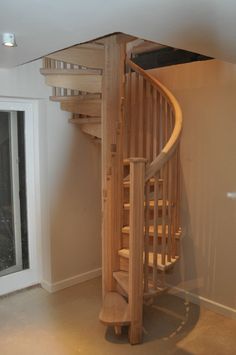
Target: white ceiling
(42, 26)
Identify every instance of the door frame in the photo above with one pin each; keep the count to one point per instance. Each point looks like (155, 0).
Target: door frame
(31, 276)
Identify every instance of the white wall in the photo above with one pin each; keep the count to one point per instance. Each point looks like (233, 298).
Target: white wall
(206, 92)
(69, 182)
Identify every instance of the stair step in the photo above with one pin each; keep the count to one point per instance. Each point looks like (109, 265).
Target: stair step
(126, 230)
(62, 71)
(87, 83)
(93, 129)
(75, 97)
(168, 264)
(115, 310)
(126, 182)
(88, 107)
(122, 278)
(85, 120)
(91, 58)
(151, 204)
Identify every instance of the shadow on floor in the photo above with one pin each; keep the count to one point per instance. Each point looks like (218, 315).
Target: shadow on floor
(166, 322)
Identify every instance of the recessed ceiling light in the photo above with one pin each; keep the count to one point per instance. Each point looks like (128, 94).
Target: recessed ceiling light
(8, 40)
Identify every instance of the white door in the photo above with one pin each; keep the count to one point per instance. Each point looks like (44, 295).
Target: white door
(16, 272)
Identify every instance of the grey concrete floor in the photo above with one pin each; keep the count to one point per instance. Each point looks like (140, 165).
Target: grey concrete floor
(34, 322)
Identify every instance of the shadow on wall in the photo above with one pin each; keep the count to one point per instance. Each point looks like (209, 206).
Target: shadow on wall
(184, 274)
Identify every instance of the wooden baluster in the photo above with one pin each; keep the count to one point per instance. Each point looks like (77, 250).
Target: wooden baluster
(144, 117)
(58, 66)
(148, 121)
(146, 235)
(136, 121)
(44, 62)
(178, 196)
(164, 193)
(174, 208)
(137, 170)
(155, 226)
(65, 89)
(169, 199)
(151, 123)
(140, 118)
(161, 123)
(52, 65)
(128, 115)
(133, 115)
(155, 124)
(165, 122)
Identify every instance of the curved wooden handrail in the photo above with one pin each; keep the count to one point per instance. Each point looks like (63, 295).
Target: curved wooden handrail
(173, 141)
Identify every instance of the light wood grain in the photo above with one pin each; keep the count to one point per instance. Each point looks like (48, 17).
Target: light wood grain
(84, 107)
(137, 169)
(172, 143)
(115, 310)
(93, 129)
(125, 253)
(88, 83)
(81, 56)
(112, 157)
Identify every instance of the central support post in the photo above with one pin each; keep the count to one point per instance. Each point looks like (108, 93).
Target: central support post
(112, 156)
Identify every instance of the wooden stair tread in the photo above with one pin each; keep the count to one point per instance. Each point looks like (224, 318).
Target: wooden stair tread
(126, 182)
(93, 129)
(85, 120)
(168, 264)
(87, 83)
(88, 107)
(75, 97)
(151, 204)
(115, 310)
(126, 230)
(62, 71)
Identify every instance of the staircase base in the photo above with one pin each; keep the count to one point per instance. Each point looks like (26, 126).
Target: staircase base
(115, 310)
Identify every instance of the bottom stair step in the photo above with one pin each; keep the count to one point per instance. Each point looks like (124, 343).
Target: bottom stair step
(115, 310)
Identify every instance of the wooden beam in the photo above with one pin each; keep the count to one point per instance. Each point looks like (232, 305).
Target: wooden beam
(112, 159)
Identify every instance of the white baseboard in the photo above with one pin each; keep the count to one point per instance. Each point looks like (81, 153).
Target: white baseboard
(71, 281)
(202, 301)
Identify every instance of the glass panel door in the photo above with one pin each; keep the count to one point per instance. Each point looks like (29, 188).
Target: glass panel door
(10, 221)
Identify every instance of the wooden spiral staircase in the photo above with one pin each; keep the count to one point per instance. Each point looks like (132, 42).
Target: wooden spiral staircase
(138, 122)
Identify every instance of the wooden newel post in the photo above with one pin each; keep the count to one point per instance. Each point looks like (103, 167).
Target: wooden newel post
(137, 173)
